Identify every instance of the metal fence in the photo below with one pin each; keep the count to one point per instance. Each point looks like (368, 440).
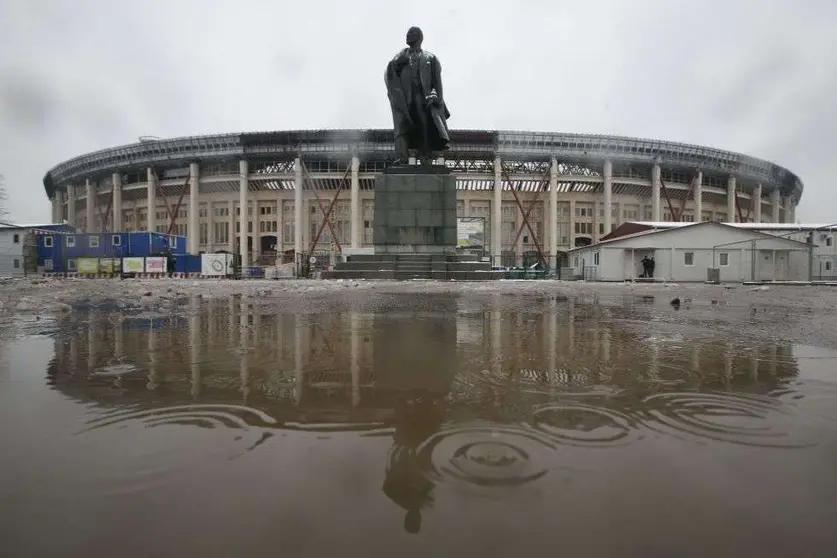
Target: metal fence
(312, 264)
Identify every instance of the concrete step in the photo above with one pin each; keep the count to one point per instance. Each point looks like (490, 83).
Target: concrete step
(365, 266)
(469, 266)
(413, 258)
(353, 274)
(407, 275)
(391, 257)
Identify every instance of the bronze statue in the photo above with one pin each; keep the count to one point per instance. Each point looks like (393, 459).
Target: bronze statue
(419, 113)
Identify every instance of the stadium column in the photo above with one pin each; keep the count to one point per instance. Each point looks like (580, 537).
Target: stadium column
(553, 211)
(297, 208)
(151, 187)
(56, 207)
(243, 215)
(497, 213)
(193, 236)
(62, 199)
(655, 192)
(257, 249)
(210, 227)
(698, 195)
(357, 230)
(731, 199)
(774, 206)
(90, 204)
(71, 204)
(788, 203)
(756, 202)
(231, 226)
(608, 196)
(116, 220)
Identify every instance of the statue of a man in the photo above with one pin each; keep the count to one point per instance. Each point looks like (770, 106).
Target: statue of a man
(419, 113)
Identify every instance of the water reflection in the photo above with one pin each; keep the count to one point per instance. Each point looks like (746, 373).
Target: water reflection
(481, 394)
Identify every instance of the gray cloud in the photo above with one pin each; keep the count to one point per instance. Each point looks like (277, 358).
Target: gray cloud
(746, 76)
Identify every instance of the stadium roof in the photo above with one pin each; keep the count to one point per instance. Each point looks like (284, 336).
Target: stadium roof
(377, 145)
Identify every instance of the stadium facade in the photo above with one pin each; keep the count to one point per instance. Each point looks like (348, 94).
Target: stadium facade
(571, 189)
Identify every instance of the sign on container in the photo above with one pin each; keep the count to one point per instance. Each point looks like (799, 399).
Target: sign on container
(216, 265)
(155, 265)
(133, 265)
(87, 265)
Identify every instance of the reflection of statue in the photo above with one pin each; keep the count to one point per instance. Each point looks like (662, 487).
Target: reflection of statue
(418, 415)
(419, 112)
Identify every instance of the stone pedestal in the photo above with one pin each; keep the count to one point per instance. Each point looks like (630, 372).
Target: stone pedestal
(415, 231)
(415, 211)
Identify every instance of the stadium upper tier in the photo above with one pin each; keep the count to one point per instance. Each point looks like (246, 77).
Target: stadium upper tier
(472, 152)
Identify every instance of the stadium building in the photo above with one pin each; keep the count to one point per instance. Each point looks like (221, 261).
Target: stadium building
(526, 191)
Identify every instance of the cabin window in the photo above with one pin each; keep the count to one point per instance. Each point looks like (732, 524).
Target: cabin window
(828, 265)
(17, 263)
(595, 258)
(723, 259)
(689, 258)
(828, 241)
(48, 241)
(116, 240)
(16, 239)
(71, 241)
(93, 241)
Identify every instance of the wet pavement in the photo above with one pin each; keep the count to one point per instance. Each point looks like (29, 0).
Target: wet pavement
(416, 425)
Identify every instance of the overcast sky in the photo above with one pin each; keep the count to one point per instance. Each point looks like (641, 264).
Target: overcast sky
(755, 76)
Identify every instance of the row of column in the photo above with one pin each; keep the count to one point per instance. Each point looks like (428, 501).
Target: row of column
(551, 246)
(272, 344)
(607, 187)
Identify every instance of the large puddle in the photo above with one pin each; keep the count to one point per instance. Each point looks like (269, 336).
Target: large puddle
(444, 425)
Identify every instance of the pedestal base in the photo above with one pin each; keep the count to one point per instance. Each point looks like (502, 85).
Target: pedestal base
(415, 231)
(415, 211)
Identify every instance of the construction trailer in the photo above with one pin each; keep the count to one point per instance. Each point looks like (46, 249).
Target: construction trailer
(19, 253)
(62, 251)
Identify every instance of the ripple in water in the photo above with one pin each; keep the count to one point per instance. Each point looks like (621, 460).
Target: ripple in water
(113, 371)
(734, 418)
(487, 454)
(579, 424)
(152, 447)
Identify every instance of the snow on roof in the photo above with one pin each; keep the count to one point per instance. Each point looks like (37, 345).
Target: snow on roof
(656, 227)
(748, 226)
(25, 226)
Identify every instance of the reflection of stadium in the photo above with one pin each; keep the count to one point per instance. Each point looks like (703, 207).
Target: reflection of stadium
(342, 368)
(572, 189)
(480, 393)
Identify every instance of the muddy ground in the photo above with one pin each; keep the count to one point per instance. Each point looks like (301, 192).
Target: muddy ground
(800, 314)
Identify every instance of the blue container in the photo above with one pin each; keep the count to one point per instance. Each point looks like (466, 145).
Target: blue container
(187, 263)
(67, 244)
(255, 272)
(138, 244)
(50, 247)
(94, 245)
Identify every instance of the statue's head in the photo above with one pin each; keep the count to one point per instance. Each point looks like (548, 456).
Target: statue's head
(414, 37)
